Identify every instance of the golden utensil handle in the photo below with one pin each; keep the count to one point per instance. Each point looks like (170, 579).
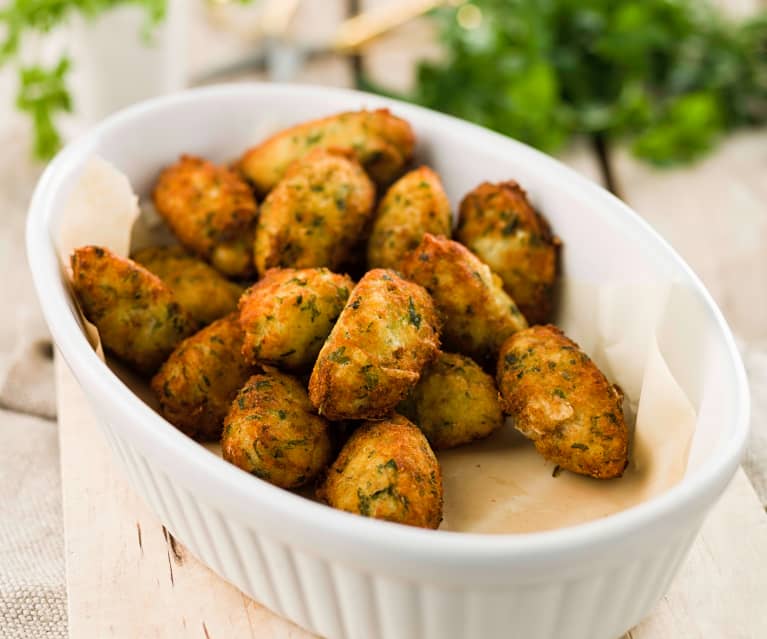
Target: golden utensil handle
(359, 30)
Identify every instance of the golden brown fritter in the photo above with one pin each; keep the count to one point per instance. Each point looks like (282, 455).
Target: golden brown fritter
(478, 315)
(454, 403)
(382, 142)
(212, 212)
(199, 288)
(562, 401)
(415, 204)
(272, 431)
(500, 226)
(385, 335)
(388, 471)
(314, 216)
(289, 313)
(138, 317)
(197, 383)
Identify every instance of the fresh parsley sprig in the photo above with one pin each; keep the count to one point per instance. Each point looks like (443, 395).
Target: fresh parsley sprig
(43, 92)
(670, 76)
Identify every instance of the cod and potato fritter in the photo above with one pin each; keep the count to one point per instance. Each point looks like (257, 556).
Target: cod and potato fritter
(315, 214)
(211, 210)
(388, 471)
(287, 315)
(199, 288)
(138, 317)
(563, 402)
(454, 403)
(374, 355)
(197, 383)
(478, 315)
(499, 225)
(273, 432)
(415, 204)
(373, 349)
(382, 142)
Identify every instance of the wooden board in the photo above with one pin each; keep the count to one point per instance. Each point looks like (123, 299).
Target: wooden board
(127, 577)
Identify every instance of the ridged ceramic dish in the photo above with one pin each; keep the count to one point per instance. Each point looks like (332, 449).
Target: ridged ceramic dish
(346, 576)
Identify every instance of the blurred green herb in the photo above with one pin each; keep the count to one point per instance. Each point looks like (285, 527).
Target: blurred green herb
(43, 93)
(669, 75)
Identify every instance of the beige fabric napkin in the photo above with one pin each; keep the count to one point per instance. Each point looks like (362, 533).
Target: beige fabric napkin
(32, 586)
(32, 591)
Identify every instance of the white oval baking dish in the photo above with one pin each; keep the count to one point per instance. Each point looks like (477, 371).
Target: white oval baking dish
(346, 576)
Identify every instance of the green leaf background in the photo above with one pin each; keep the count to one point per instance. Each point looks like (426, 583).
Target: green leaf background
(669, 76)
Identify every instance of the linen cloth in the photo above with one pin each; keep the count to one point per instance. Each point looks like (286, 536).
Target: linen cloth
(32, 587)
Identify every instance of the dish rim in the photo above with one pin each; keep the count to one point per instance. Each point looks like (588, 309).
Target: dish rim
(161, 441)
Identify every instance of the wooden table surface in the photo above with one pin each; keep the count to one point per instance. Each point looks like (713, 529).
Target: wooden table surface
(127, 577)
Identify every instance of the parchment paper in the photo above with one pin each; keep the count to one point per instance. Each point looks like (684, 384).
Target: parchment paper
(499, 485)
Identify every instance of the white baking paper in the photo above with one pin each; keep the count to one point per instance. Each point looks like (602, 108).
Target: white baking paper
(499, 485)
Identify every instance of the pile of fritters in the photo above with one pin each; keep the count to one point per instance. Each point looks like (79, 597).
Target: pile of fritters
(310, 378)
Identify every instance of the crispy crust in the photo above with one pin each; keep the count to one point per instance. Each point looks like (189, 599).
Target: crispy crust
(198, 287)
(198, 382)
(387, 471)
(478, 314)
(138, 317)
(386, 334)
(314, 216)
(212, 212)
(415, 204)
(563, 402)
(497, 222)
(288, 315)
(272, 431)
(454, 403)
(383, 143)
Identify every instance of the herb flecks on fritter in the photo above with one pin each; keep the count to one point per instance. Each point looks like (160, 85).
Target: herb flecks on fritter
(137, 316)
(314, 216)
(273, 432)
(563, 402)
(212, 212)
(478, 314)
(497, 223)
(197, 383)
(375, 353)
(200, 289)
(382, 142)
(387, 471)
(415, 204)
(288, 314)
(454, 403)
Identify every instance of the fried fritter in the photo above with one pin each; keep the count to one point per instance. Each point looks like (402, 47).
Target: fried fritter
(499, 225)
(314, 216)
(454, 403)
(385, 335)
(272, 431)
(138, 317)
(478, 314)
(197, 383)
(288, 315)
(415, 204)
(387, 471)
(198, 287)
(382, 142)
(212, 212)
(562, 401)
